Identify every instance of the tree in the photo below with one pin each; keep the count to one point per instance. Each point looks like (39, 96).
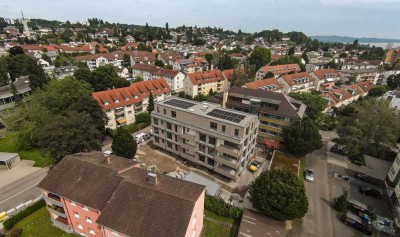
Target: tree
(372, 122)
(315, 103)
(377, 91)
(269, 75)
(279, 194)
(16, 50)
(159, 63)
(150, 106)
(302, 137)
(239, 78)
(340, 203)
(138, 78)
(124, 144)
(393, 81)
(14, 91)
(291, 51)
(142, 118)
(225, 62)
(209, 58)
(260, 57)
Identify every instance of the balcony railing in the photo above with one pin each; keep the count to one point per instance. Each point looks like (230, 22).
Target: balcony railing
(120, 112)
(228, 150)
(53, 199)
(227, 172)
(59, 211)
(62, 223)
(227, 161)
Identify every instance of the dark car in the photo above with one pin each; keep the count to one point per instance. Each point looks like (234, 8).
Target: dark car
(356, 162)
(363, 177)
(338, 150)
(357, 223)
(366, 190)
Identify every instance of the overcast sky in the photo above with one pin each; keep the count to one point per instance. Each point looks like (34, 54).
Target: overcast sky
(369, 18)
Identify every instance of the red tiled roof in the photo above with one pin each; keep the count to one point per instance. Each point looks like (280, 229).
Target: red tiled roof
(265, 82)
(142, 56)
(66, 48)
(291, 78)
(200, 61)
(170, 55)
(162, 72)
(208, 76)
(108, 56)
(281, 69)
(140, 90)
(344, 93)
(228, 74)
(321, 73)
(366, 86)
(275, 57)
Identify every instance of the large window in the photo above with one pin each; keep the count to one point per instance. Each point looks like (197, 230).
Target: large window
(213, 126)
(202, 158)
(169, 135)
(212, 140)
(236, 132)
(155, 121)
(169, 126)
(173, 114)
(223, 128)
(210, 162)
(202, 137)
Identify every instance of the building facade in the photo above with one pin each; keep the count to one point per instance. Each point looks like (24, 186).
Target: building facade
(393, 97)
(392, 182)
(122, 104)
(278, 70)
(298, 82)
(325, 78)
(203, 82)
(205, 134)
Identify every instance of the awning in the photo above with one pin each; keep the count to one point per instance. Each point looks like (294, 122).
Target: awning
(271, 143)
(121, 121)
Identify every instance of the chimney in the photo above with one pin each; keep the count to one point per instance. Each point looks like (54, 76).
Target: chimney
(224, 99)
(152, 178)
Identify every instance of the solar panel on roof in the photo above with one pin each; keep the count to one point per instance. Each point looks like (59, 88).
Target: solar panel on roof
(179, 103)
(225, 115)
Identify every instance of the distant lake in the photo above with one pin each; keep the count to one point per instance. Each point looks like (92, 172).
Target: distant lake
(383, 45)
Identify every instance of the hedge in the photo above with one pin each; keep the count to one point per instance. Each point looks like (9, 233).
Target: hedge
(221, 208)
(130, 127)
(10, 222)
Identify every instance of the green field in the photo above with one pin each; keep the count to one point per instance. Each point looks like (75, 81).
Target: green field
(38, 224)
(9, 144)
(215, 228)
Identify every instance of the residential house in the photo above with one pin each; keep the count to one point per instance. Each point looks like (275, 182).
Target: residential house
(46, 66)
(392, 182)
(93, 195)
(310, 67)
(122, 71)
(150, 72)
(63, 71)
(169, 57)
(205, 134)
(393, 97)
(129, 39)
(359, 64)
(270, 84)
(142, 57)
(362, 74)
(7, 97)
(203, 82)
(392, 55)
(298, 82)
(238, 57)
(274, 110)
(343, 96)
(325, 78)
(94, 61)
(191, 65)
(278, 70)
(122, 104)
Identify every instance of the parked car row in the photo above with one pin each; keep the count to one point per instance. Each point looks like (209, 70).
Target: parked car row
(360, 216)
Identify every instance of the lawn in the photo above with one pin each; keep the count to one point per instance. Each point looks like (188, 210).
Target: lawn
(9, 144)
(284, 160)
(38, 224)
(216, 228)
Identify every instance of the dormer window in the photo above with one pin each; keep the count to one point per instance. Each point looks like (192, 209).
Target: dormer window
(106, 103)
(116, 101)
(127, 98)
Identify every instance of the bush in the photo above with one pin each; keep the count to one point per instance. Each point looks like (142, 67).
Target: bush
(380, 151)
(135, 127)
(15, 232)
(9, 223)
(340, 203)
(142, 118)
(221, 208)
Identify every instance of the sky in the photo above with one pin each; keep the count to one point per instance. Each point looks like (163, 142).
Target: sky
(358, 18)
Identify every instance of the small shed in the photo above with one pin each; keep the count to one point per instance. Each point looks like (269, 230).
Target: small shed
(212, 188)
(9, 160)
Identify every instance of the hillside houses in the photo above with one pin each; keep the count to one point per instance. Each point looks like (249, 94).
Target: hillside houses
(270, 84)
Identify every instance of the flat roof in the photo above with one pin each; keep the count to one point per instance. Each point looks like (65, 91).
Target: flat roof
(254, 224)
(5, 156)
(212, 188)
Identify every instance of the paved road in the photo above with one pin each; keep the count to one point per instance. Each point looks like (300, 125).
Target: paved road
(318, 221)
(21, 190)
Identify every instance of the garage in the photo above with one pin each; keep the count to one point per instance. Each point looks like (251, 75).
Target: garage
(9, 160)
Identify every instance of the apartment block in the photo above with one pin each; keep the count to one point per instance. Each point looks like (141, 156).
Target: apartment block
(392, 182)
(205, 134)
(298, 82)
(278, 70)
(392, 56)
(92, 195)
(94, 61)
(325, 78)
(122, 104)
(274, 110)
(270, 84)
(203, 82)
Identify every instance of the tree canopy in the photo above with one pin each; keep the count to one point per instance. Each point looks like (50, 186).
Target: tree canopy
(393, 81)
(286, 59)
(315, 103)
(124, 144)
(225, 62)
(302, 137)
(102, 78)
(150, 106)
(279, 194)
(260, 57)
(377, 91)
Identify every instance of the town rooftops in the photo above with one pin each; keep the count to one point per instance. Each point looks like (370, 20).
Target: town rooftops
(298, 78)
(170, 55)
(281, 69)
(108, 56)
(131, 201)
(326, 73)
(162, 72)
(205, 77)
(209, 110)
(366, 86)
(134, 93)
(270, 84)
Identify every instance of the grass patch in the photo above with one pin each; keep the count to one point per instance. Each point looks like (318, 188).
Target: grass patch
(9, 144)
(284, 160)
(218, 218)
(215, 228)
(38, 224)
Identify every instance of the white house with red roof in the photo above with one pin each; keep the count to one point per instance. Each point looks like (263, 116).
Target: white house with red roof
(325, 78)
(203, 82)
(298, 82)
(94, 61)
(270, 84)
(277, 70)
(122, 104)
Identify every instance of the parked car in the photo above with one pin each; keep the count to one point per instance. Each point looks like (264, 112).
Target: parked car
(309, 175)
(254, 166)
(360, 208)
(363, 177)
(357, 223)
(366, 190)
(356, 162)
(338, 150)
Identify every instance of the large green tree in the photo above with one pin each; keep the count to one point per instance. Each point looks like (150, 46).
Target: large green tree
(150, 106)
(279, 194)
(315, 103)
(378, 91)
(124, 144)
(393, 81)
(302, 137)
(260, 57)
(224, 62)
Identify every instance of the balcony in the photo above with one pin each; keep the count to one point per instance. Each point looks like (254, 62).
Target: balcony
(225, 171)
(188, 156)
(58, 211)
(188, 146)
(188, 136)
(53, 200)
(119, 112)
(233, 151)
(227, 161)
(61, 223)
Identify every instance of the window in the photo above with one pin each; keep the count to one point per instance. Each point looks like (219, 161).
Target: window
(202, 148)
(156, 139)
(212, 140)
(156, 130)
(76, 214)
(169, 126)
(155, 121)
(80, 226)
(223, 128)
(210, 151)
(176, 147)
(210, 162)
(88, 220)
(85, 208)
(176, 128)
(247, 130)
(202, 137)
(165, 111)
(202, 158)
(169, 145)
(176, 138)
(213, 126)
(129, 112)
(169, 135)
(158, 109)
(92, 232)
(236, 132)
(173, 114)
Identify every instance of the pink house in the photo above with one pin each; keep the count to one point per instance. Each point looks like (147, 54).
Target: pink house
(93, 195)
